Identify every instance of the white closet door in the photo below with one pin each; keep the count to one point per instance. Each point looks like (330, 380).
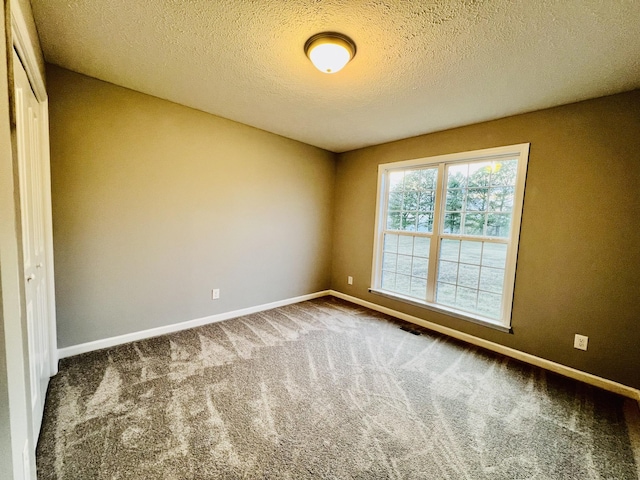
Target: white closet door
(30, 161)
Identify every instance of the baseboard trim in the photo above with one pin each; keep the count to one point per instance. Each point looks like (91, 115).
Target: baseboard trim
(570, 372)
(176, 327)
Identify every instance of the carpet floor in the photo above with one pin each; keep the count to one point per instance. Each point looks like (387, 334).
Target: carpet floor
(323, 389)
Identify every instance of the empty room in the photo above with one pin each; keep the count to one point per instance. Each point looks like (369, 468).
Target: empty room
(320, 239)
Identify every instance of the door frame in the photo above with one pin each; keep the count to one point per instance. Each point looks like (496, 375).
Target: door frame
(26, 52)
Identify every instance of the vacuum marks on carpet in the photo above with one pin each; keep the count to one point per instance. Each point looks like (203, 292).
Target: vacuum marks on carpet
(323, 389)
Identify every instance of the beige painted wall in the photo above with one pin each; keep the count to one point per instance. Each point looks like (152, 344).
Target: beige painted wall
(579, 258)
(155, 204)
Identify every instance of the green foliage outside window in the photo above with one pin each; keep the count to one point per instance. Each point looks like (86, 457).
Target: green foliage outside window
(479, 199)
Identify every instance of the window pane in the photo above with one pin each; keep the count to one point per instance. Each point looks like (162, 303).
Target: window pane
(390, 242)
(474, 223)
(408, 221)
(457, 176)
(447, 272)
(451, 223)
(501, 199)
(421, 246)
(490, 305)
(498, 224)
(477, 187)
(403, 284)
(389, 261)
(404, 264)
(492, 279)
(479, 174)
(410, 200)
(388, 281)
(425, 222)
(504, 172)
(470, 252)
(446, 294)
(395, 200)
(478, 199)
(418, 288)
(494, 255)
(466, 298)
(412, 180)
(428, 178)
(394, 220)
(463, 264)
(427, 201)
(454, 200)
(468, 275)
(419, 267)
(450, 250)
(405, 245)
(396, 179)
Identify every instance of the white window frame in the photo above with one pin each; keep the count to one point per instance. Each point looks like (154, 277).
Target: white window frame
(519, 152)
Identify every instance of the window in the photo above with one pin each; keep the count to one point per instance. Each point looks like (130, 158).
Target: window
(447, 231)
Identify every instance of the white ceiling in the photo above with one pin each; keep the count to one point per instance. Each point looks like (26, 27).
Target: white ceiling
(421, 66)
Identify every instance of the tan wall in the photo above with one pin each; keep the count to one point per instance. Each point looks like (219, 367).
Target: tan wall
(155, 204)
(579, 258)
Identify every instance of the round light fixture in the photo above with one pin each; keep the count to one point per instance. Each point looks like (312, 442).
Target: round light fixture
(330, 51)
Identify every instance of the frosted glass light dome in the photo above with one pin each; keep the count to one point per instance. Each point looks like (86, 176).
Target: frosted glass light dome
(329, 51)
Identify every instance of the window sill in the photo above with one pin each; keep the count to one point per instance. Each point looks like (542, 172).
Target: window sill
(440, 309)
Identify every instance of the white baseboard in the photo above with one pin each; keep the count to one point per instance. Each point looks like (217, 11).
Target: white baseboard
(496, 347)
(465, 337)
(176, 327)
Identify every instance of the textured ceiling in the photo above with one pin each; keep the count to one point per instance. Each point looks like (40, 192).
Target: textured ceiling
(421, 66)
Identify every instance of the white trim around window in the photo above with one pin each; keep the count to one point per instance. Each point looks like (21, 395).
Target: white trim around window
(447, 232)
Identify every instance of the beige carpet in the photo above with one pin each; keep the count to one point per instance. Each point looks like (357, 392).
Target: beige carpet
(323, 389)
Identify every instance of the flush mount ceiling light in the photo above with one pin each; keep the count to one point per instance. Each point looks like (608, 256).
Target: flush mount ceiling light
(330, 51)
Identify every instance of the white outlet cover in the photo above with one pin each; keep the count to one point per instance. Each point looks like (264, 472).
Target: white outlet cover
(580, 342)
(350, 280)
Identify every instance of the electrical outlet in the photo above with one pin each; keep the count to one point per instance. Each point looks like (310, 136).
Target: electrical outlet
(350, 280)
(215, 294)
(580, 342)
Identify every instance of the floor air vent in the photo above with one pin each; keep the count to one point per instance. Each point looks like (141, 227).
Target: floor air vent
(407, 329)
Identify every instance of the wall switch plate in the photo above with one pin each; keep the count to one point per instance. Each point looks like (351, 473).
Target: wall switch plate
(215, 294)
(580, 342)
(350, 280)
